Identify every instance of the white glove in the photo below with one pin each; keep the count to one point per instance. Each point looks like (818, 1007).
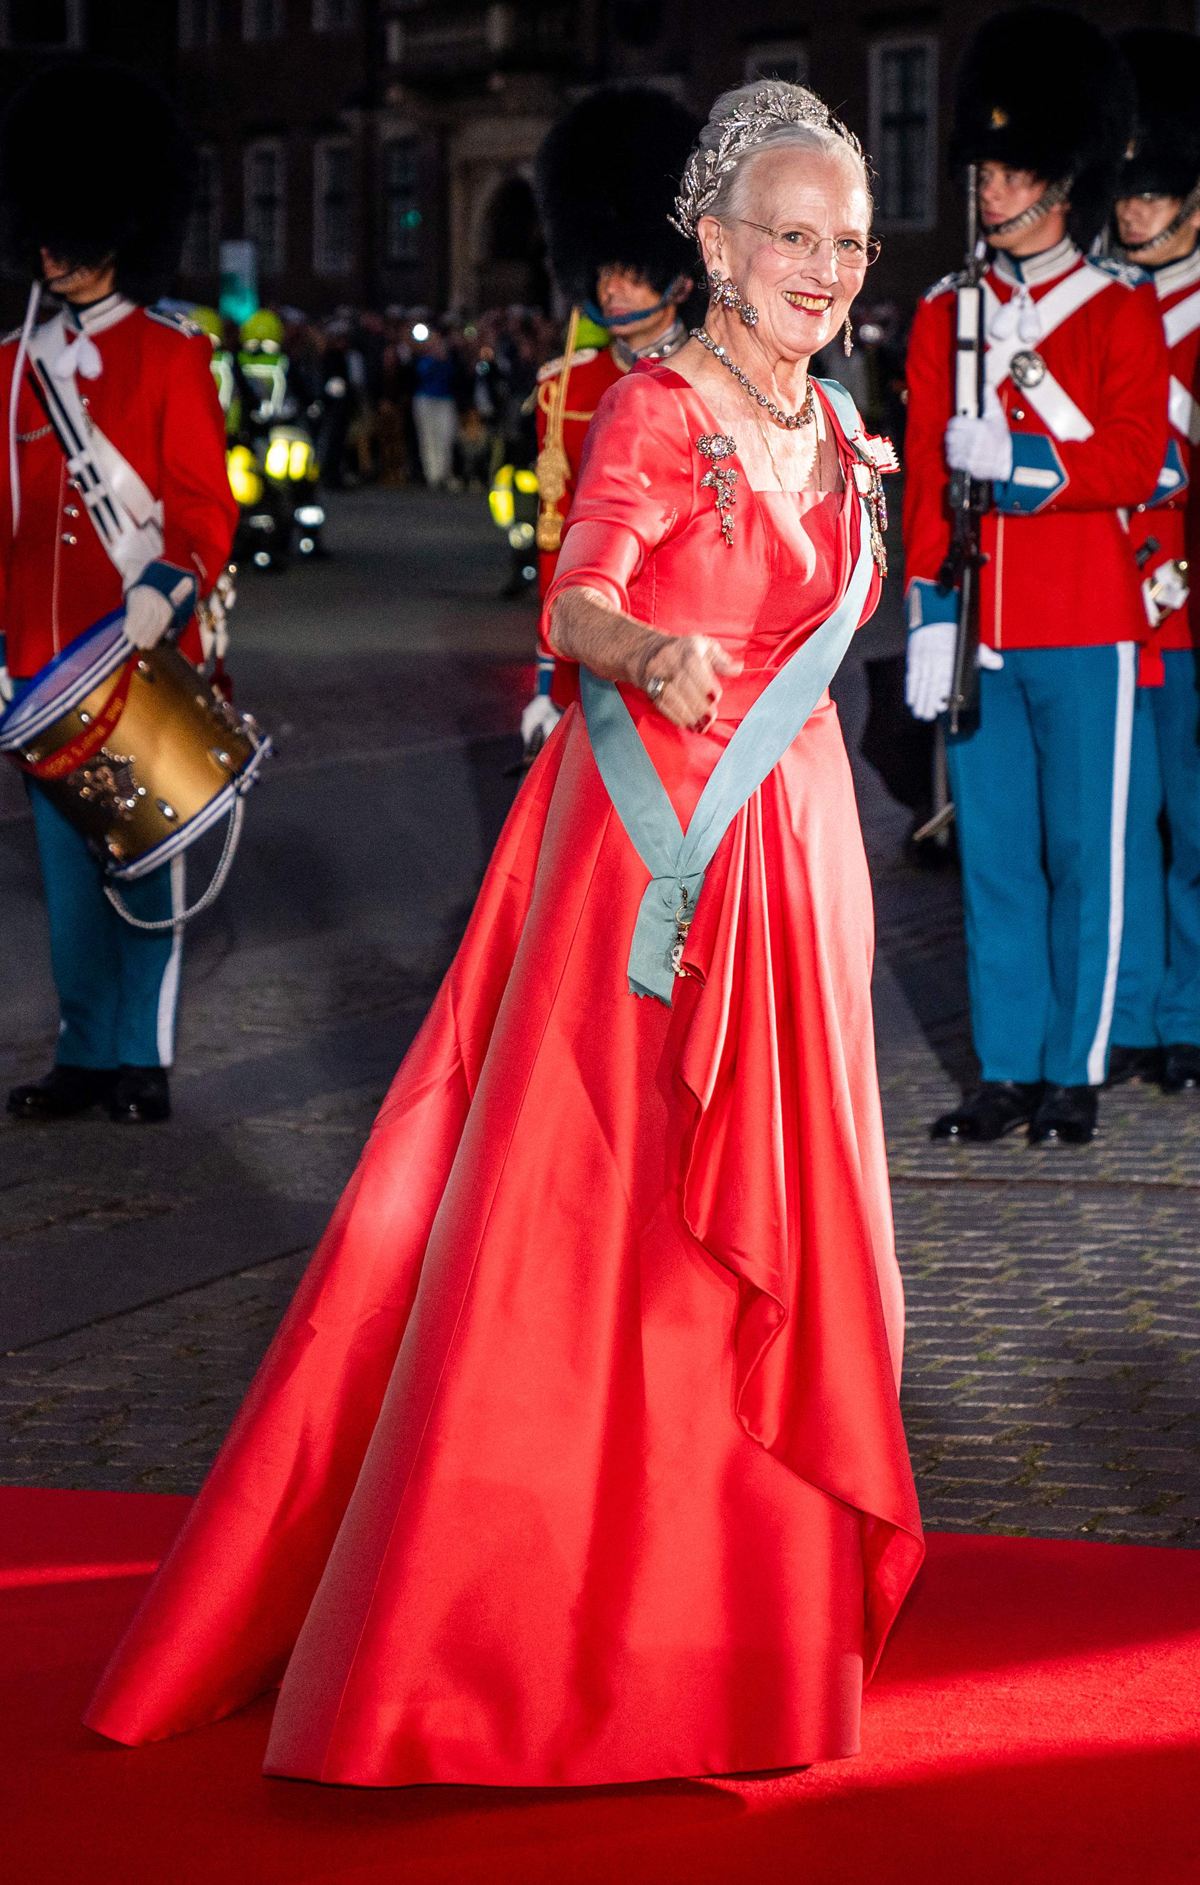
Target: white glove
(929, 671)
(538, 722)
(148, 615)
(7, 690)
(981, 447)
(1164, 591)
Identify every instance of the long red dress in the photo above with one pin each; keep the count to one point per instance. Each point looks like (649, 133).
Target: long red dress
(578, 1456)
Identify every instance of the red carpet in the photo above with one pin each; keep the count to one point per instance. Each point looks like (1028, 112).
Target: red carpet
(1036, 1718)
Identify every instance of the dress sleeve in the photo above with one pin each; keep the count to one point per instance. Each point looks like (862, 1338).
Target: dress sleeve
(637, 485)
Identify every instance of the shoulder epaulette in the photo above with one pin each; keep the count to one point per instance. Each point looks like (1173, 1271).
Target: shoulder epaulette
(553, 368)
(170, 317)
(1127, 273)
(947, 284)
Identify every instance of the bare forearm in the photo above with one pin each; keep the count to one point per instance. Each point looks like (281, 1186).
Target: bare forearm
(586, 628)
(679, 672)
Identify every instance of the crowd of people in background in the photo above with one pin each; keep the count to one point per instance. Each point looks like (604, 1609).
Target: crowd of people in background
(409, 397)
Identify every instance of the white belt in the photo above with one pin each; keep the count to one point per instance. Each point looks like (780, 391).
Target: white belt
(127, 517)
(1049, 399)
(1183, 411)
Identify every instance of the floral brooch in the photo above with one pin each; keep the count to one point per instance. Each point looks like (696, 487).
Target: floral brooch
(720, 479)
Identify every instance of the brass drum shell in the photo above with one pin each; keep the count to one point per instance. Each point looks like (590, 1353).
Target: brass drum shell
(175, 747)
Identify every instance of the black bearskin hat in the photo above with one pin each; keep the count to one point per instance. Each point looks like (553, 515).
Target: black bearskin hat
(1166, 141)
(94, 162)
(1040, 89)
(606, 178)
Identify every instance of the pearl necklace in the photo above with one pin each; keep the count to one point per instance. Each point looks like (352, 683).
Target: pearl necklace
(792, 420)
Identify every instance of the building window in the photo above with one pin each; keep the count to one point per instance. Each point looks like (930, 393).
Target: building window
(332, 16)
(402, 217)
(41, 25)
(777, 59)
(265, 205)
(199, 23)
(203, 239)
(262, 19)
(333, 208)
(903, 77)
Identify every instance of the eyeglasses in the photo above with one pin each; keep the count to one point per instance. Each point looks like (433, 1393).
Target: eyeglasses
(849, 252)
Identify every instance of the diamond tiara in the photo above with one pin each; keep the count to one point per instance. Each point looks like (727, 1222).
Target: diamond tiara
(774, 107)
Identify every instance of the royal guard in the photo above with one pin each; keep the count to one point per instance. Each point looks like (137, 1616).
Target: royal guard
(1157, 223)
(607, 178)
(1068, 436)
(94, 187)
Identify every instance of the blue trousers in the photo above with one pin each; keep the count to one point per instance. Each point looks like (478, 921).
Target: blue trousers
(1041, 791)
(1158, 993)
(117, 987)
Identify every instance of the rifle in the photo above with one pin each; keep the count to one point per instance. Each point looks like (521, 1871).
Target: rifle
(969, 497)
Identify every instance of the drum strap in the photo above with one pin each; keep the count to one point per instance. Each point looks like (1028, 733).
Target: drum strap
(85, 745)
(126, 516)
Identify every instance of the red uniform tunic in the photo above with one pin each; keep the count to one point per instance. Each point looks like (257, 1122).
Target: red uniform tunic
(1060, 569)
(156, 401)
(593, 370)
(1172, 509)
(578, 1458)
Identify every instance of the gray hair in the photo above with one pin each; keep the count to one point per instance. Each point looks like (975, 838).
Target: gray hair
(768, 114)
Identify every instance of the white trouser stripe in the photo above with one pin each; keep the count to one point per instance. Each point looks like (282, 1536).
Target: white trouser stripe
(1122, 751)
(168, 993)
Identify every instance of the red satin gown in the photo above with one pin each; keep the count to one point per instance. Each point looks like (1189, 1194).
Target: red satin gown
(578, 1456)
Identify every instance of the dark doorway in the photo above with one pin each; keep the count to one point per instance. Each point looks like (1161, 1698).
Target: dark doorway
(512, 267)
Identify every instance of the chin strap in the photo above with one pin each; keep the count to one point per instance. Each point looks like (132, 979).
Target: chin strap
(677, 292)
(1188, 207)
(1051, 198)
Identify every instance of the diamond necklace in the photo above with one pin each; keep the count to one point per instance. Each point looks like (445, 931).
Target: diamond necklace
(792, 420)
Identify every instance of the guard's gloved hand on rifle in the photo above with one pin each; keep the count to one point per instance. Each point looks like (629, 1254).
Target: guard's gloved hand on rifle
(932, 635)
(538, 722)
(981, 447)
(163, 596)
(541, 716)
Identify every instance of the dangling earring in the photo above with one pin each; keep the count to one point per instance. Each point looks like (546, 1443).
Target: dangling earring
(847, 338)
(727, 296)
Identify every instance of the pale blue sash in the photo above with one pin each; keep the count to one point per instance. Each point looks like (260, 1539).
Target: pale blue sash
(677, 860)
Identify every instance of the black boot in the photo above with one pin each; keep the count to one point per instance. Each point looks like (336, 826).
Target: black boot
(64, 1091)
(1181, 1067)
(1067, 1115)
(1135, 1063)
(140, 1096)
(998, 1107)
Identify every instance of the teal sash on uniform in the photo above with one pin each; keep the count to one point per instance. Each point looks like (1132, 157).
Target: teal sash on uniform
(677, 860)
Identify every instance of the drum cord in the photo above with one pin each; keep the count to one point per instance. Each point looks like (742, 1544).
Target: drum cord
(232, 834)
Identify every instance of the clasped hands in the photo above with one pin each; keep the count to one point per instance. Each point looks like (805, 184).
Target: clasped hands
(690, 667)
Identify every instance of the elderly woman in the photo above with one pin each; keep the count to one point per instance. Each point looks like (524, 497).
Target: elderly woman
(578, 1456)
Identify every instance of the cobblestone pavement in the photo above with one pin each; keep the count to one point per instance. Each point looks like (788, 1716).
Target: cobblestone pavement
(1052, 1382)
